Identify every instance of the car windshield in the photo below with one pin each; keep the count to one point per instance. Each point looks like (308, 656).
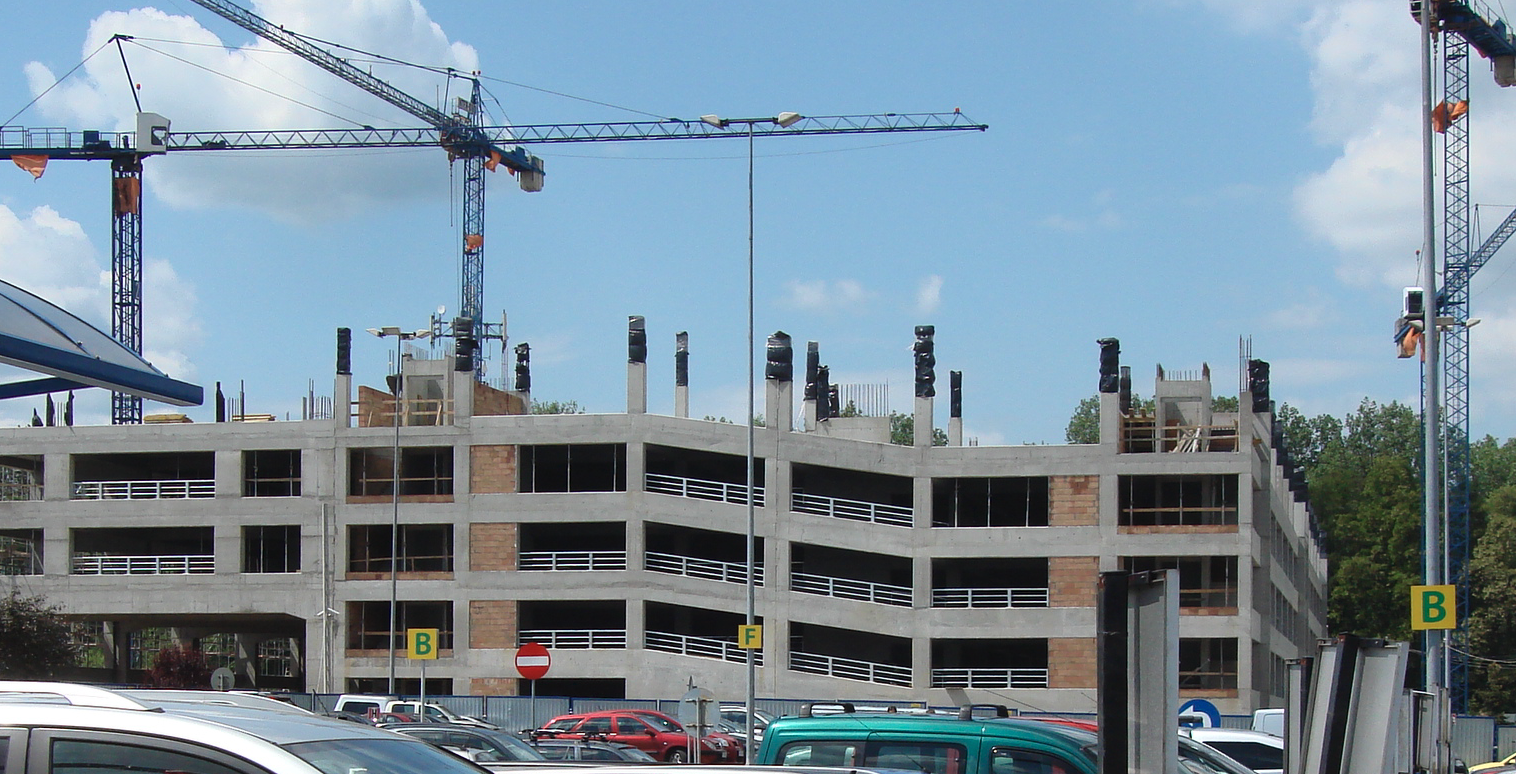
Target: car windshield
(563, 724)
(662, 723)
(379, 756)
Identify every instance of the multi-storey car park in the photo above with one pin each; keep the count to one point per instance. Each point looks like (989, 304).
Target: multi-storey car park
(889, 572)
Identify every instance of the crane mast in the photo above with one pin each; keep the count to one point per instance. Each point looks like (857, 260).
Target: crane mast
(1465, 24)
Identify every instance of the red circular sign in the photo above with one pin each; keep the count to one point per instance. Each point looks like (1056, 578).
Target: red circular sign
(532, 661)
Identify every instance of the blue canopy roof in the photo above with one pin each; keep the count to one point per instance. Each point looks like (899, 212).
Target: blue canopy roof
(40, 336)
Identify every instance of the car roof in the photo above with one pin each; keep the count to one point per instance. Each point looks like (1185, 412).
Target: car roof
(1207, 734)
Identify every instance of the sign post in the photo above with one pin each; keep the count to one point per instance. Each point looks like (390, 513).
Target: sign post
(532, 663)
(421, 645)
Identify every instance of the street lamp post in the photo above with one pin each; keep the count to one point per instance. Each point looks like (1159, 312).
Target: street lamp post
(400, 338)
(781, 120)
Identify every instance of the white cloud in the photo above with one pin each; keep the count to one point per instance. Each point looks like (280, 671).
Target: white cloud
(50, 256)
(1313, 313)
(929, 294)
(297, 187)
(1101, 215)
(827, 296)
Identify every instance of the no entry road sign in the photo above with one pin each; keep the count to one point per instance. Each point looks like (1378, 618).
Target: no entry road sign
(532, 661)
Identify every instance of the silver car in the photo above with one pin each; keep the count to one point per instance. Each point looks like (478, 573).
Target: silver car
(62, 728)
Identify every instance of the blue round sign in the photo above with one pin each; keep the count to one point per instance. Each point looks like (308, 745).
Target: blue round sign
(1209, 715)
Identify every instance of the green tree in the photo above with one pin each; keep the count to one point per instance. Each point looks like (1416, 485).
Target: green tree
(1084, 424)
(903, 431)
(179, 667)
(1491, 625)
(34, 639)
(556, 407)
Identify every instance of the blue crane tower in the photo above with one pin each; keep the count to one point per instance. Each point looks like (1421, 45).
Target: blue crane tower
(1463, 24)
(461, 133)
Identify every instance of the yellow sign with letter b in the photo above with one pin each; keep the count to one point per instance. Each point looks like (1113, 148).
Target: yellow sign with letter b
(421, 643)
(1434, 607)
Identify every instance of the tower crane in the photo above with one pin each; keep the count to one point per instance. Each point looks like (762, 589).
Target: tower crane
(1462, 24)
(126, 150)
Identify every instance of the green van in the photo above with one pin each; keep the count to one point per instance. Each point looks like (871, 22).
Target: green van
(934, 743)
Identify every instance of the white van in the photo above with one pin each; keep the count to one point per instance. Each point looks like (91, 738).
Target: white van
(1269, 721)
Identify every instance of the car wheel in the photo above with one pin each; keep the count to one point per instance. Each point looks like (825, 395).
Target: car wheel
(678, 755)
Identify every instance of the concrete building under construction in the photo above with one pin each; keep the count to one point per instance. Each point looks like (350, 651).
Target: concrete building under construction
(882, 571)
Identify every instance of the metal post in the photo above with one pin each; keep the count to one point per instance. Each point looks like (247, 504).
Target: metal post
(395, 516)
(1431, 422)
(752, 606)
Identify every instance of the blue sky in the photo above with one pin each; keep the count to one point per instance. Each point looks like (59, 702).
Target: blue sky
(1175, 173)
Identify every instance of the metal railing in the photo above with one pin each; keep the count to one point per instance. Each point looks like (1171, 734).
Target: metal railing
(144, 490)
(193, 564)
(850, 669)
(575, 639)
(987, 597)
(701, 489)
(571, 561)
(707, 569)
(857, 510)
(19, 490)
(699, 647)
(990, 678)
(1178, 516)
(1139, 435)
(845, 588)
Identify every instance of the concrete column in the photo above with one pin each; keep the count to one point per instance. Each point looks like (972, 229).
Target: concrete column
(778, 405)
(923, 420)
(808, 416)
(228, 473)
(636, 543)
(342, 400)
(955, 431)
(245, 663)
(636, 466)
(463, 397)
(57, 477)
(636, 388)
(921, 502)
(1110, 421)
(226, 549)
(682, 374)
(921, 663)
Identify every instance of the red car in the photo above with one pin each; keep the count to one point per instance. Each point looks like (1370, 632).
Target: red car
(656, 734)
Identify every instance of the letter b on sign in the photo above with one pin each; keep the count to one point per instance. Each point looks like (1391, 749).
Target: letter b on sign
(422, 643)
(1434, 607)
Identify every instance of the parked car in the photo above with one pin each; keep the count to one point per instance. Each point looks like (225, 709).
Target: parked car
(79, 728)
(1489, 768)
(965, 743)
(657, 735)
(719, 734)
(612, 753)
(1263, 753)
(378, 706)
(480, 745)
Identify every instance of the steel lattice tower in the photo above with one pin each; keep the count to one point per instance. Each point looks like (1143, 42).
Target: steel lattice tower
(126, 273)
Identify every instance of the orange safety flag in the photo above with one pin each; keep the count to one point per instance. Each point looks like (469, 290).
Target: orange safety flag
(126, 196)
(33, 164)
(1408, 338)
(473, 241)
(1445, 114)
(492, 161)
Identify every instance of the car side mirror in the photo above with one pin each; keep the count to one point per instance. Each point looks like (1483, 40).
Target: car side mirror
(651, 733)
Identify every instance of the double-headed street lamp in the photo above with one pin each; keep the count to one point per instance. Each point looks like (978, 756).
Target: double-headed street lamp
(783, 120)
(391, 331)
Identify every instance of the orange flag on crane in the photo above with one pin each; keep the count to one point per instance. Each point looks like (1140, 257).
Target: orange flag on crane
(1446, 113)
(36, 165)
(491, 161)
(472, 242)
